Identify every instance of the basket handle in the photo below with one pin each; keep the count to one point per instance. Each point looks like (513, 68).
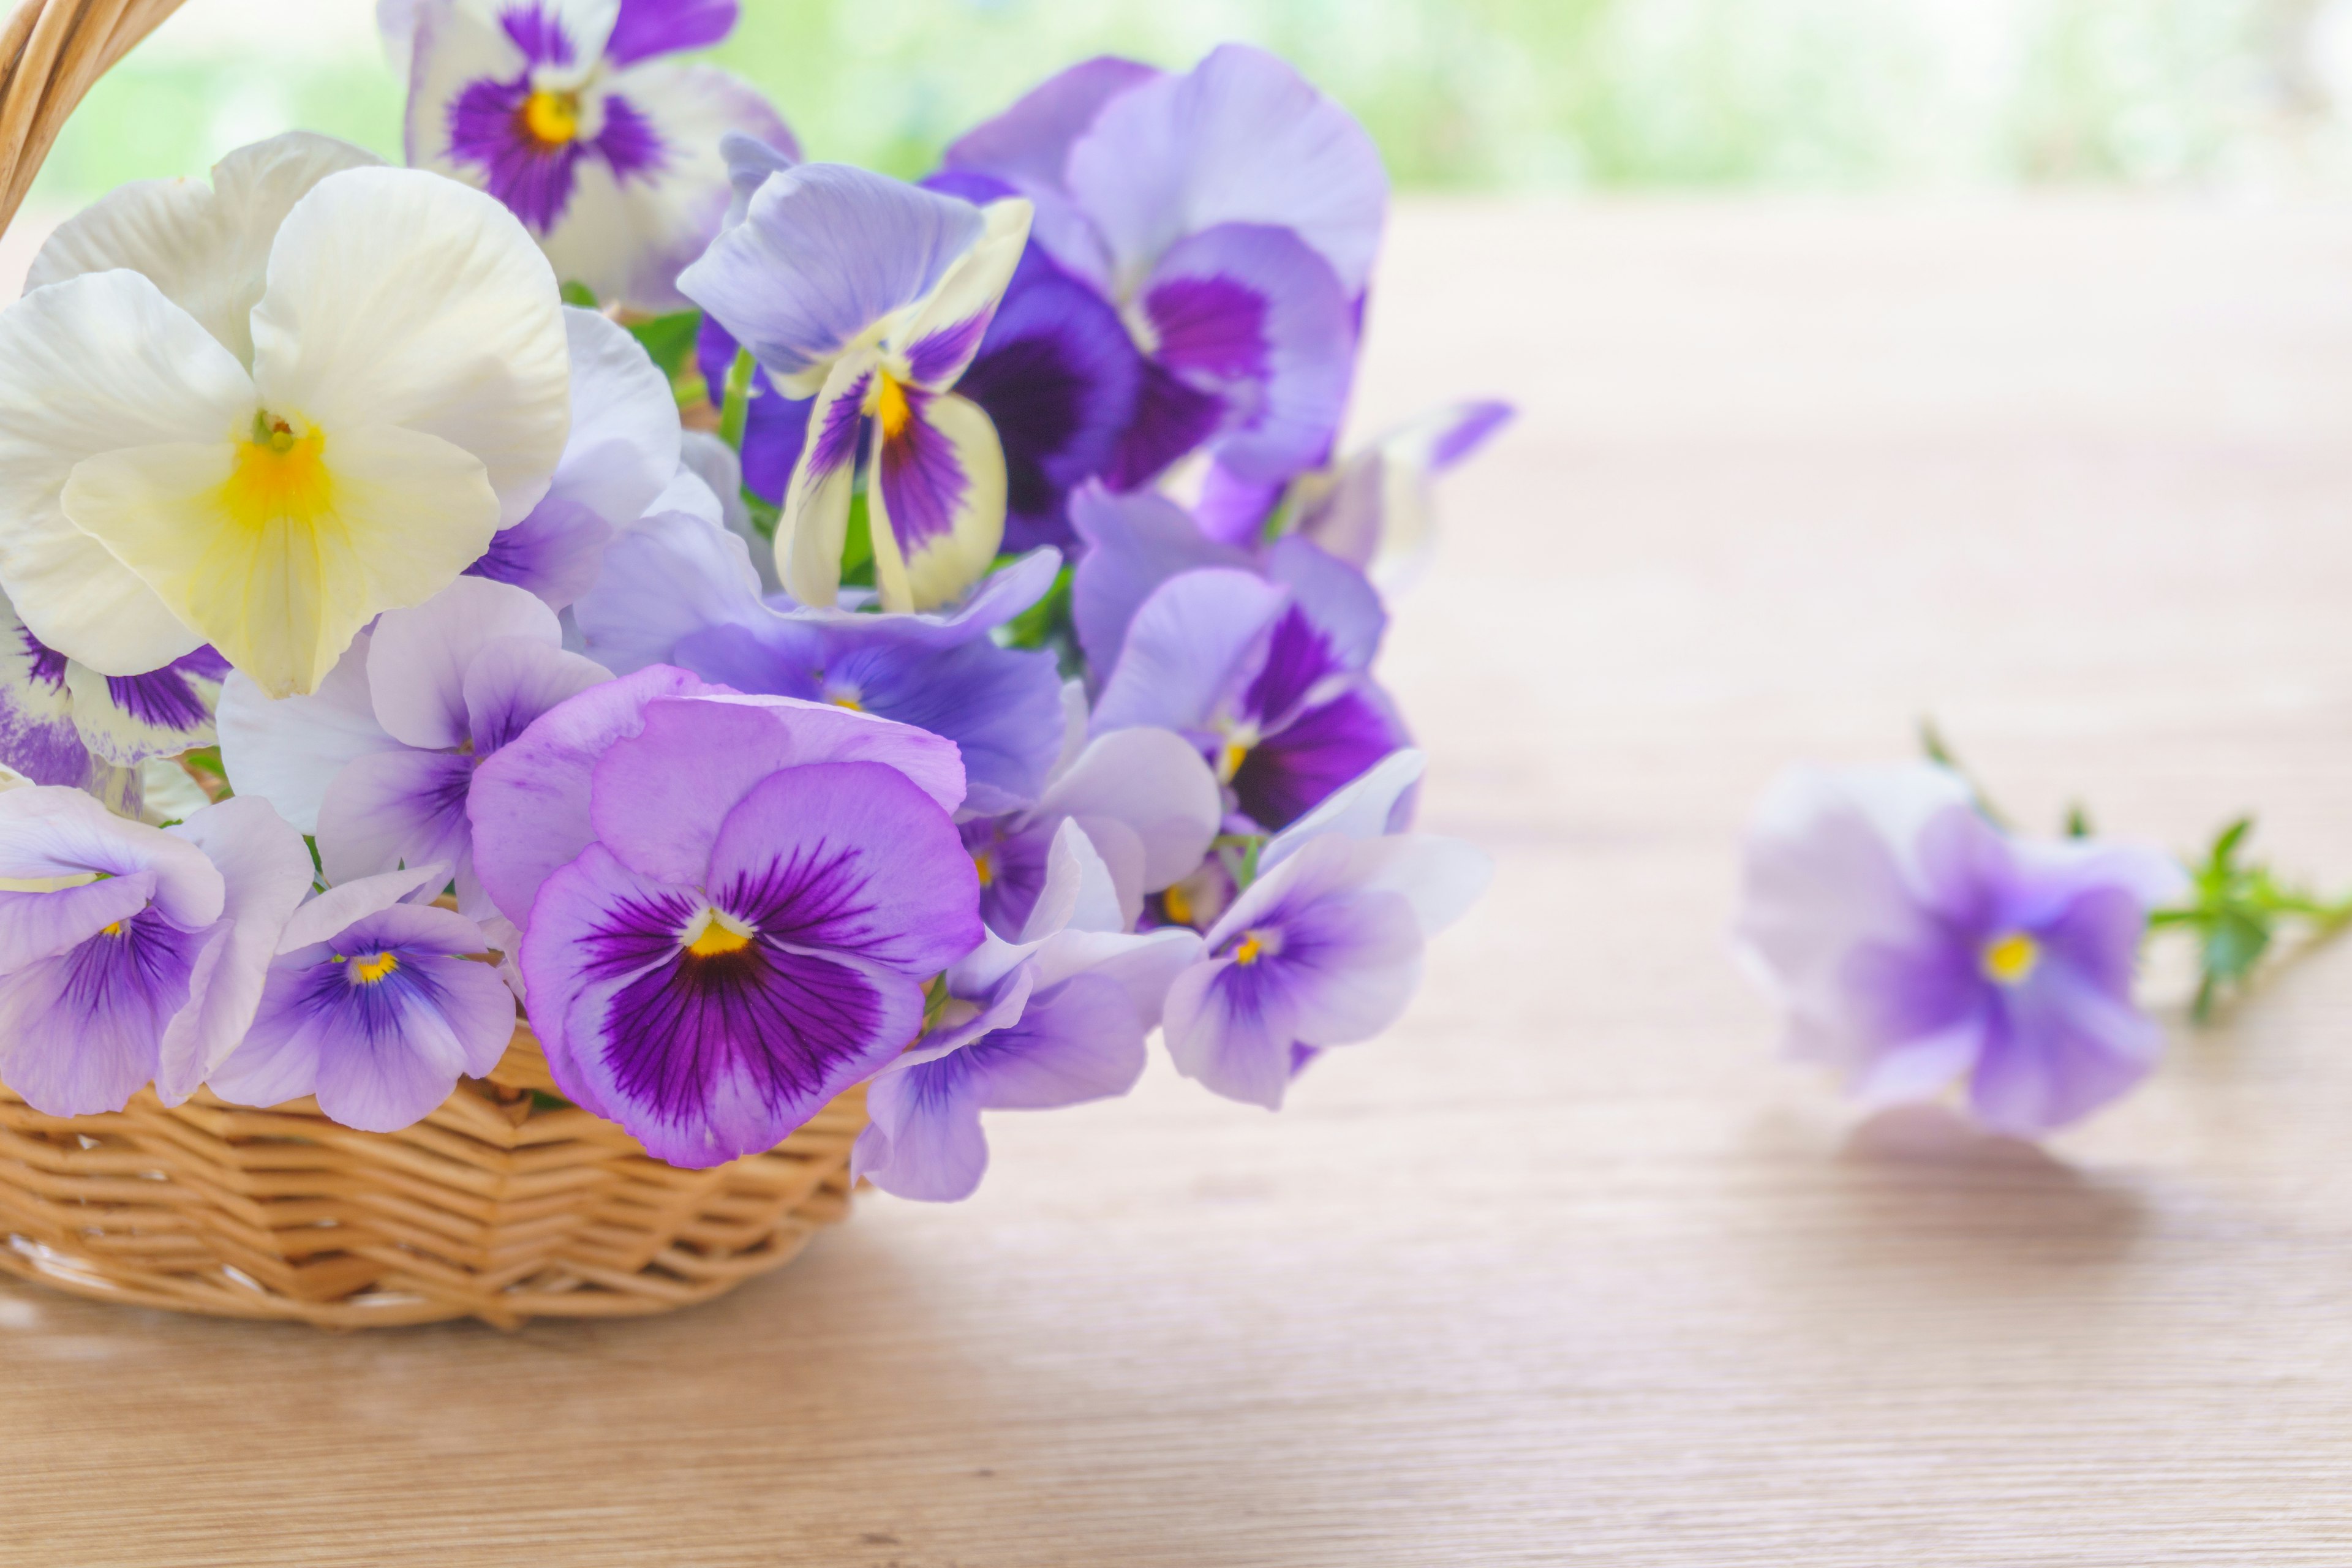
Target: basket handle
(51, 51)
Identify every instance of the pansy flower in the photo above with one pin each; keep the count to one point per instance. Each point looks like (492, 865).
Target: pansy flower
(678, 591)
(131, 954)
(567, 111)
(379, 762)
(872, 296)
(731, 905)
(256, 415)
(1325, 948)
(1915, 945)
(1231, 213)
(1056, 1018)
(374, 1006)
(64, 723)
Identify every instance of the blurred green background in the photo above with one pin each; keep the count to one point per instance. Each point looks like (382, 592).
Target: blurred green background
(1509, 95)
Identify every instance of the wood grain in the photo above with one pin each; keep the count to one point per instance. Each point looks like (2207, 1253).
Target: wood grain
(1568, 1269)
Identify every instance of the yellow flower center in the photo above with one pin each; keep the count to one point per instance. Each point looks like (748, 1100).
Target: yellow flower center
(368, 971)
(114, 929)
(1255, 945)
(1178, 904)
(887, 403)
(715, 934)
(2009, 959)
(278, 476)
(846, 700)
(1230, 759)
(985, 864)
(552, 119)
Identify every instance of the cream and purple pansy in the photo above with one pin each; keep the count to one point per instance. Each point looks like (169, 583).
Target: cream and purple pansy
(568, 111)
(871, 297)
(64, 723)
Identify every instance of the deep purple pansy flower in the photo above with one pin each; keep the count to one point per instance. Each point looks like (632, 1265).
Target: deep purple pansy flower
(373, 1006)
(872, 296)
(566, 112)
(1325, 948)
(756, 892)
(1056, 1018)
(1231, 213)
(1267, 676)
(137, 953)
(1913, 944)
(379, 761)
(678, 591)
(62, 722)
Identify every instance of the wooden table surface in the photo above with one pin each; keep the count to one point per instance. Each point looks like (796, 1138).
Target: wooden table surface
(1570, 1269)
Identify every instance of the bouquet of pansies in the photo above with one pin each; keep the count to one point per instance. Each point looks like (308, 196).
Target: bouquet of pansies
(737, 611)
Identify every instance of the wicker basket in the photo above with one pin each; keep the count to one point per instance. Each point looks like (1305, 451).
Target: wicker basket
(504, 1205)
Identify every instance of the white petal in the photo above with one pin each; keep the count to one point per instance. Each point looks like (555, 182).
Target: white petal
(205, 246)
(624, 442)
(961, 306)
(399, 298)
(328, 913)
(814, 522)
(418, 657)
(288, 751)
(1078, 890)
(1439, 878)
(88, 366)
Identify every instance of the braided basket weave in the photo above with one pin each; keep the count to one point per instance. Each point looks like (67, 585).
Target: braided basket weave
(504, 1205)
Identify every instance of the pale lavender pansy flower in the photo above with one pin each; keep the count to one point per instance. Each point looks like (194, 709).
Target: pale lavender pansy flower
(374, 1006)
(567, 111)
(623, 451)
(1055, 1018)
(1231, 213)
(1325, 947)
(750, 927)
(1265, 675)
(872, 296)
(678, 591)
(61, 722)
(379, 762)
(130, 954)
(1915, 945)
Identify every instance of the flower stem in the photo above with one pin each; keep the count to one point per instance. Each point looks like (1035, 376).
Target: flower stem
(736, 409)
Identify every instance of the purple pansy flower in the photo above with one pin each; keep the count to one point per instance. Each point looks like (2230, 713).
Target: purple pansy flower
(678, 591)
(137, 953)
(623, 451)
(373, 1006)
(61, 722)
(1058, 1018)
(746, 928)
(1267, 675)
(565, 111)
(1915, 944)
(1325, 948)
(872, 296)
(1231, 213)
(378, 761)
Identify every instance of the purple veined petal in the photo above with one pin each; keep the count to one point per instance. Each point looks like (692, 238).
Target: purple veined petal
(547, 35)
(2057, 1050)
(39, 925)
(395, 809)
(513, 681)
(1143, 964)
(530, 802)
(1367, 806)
(1191, 645)
(2098, 936)
(775, 425)
(1337, 597)
(777, 655)
(1154, 782)
(924, 1139)
(1296, 768)
(1134, 544)
(815, 524)
(82, 1032)
(321, 917)
(52, 831)
(974, 1009)
(1253, 316)
(750, 162)
(480, 135)
(944, 332)
(554, 554)
(659, 796)
(417, 658)
(648, 27)
(127, 718)
(670, 577)
(1344, 950)
(825, 251)
(38, 735)
(264, 872)
(703, 1057)
(1059, 376)
(1241, 138)
(1029, 143)
(288, 750)
(1231, 1030)
(1077, 1041)
(935, 502)
(1300, 669)
(1172, 420)
(1011, 863)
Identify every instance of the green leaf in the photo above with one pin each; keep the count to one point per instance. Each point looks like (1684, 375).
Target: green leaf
(669, 339)
(2078, 821)
(857, 546)
(763, 517)
(579, 294)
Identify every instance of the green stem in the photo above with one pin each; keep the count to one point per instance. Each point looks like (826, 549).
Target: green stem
(736, 409)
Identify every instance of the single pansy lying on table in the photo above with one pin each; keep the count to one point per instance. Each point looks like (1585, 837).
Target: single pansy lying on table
(392, 652)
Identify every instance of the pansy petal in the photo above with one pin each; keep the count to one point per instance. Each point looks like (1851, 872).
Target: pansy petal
(79, 1033)
(417, 658)
(1188, 645)
(392, 809)
(1154, 782)
(38, 738)
(288, 751)
(814, 522)
(265, 870)
(1366, 807)
(2062, 1050)
(1230, 1033)
(283, 600)
(924, 1141)
(89, 367)
(1296, 768)
(825, 252)
(1134, 544)
(663, 581)
(399, 298)
(38, 925)
(648, 27)
(1077, 1042)
(556, 552)
(1337, 597)
(1030, 143)
(624, 441)
(948, 326)
(323, 917)
(513, 681)
(127, 718)
(937, 500)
